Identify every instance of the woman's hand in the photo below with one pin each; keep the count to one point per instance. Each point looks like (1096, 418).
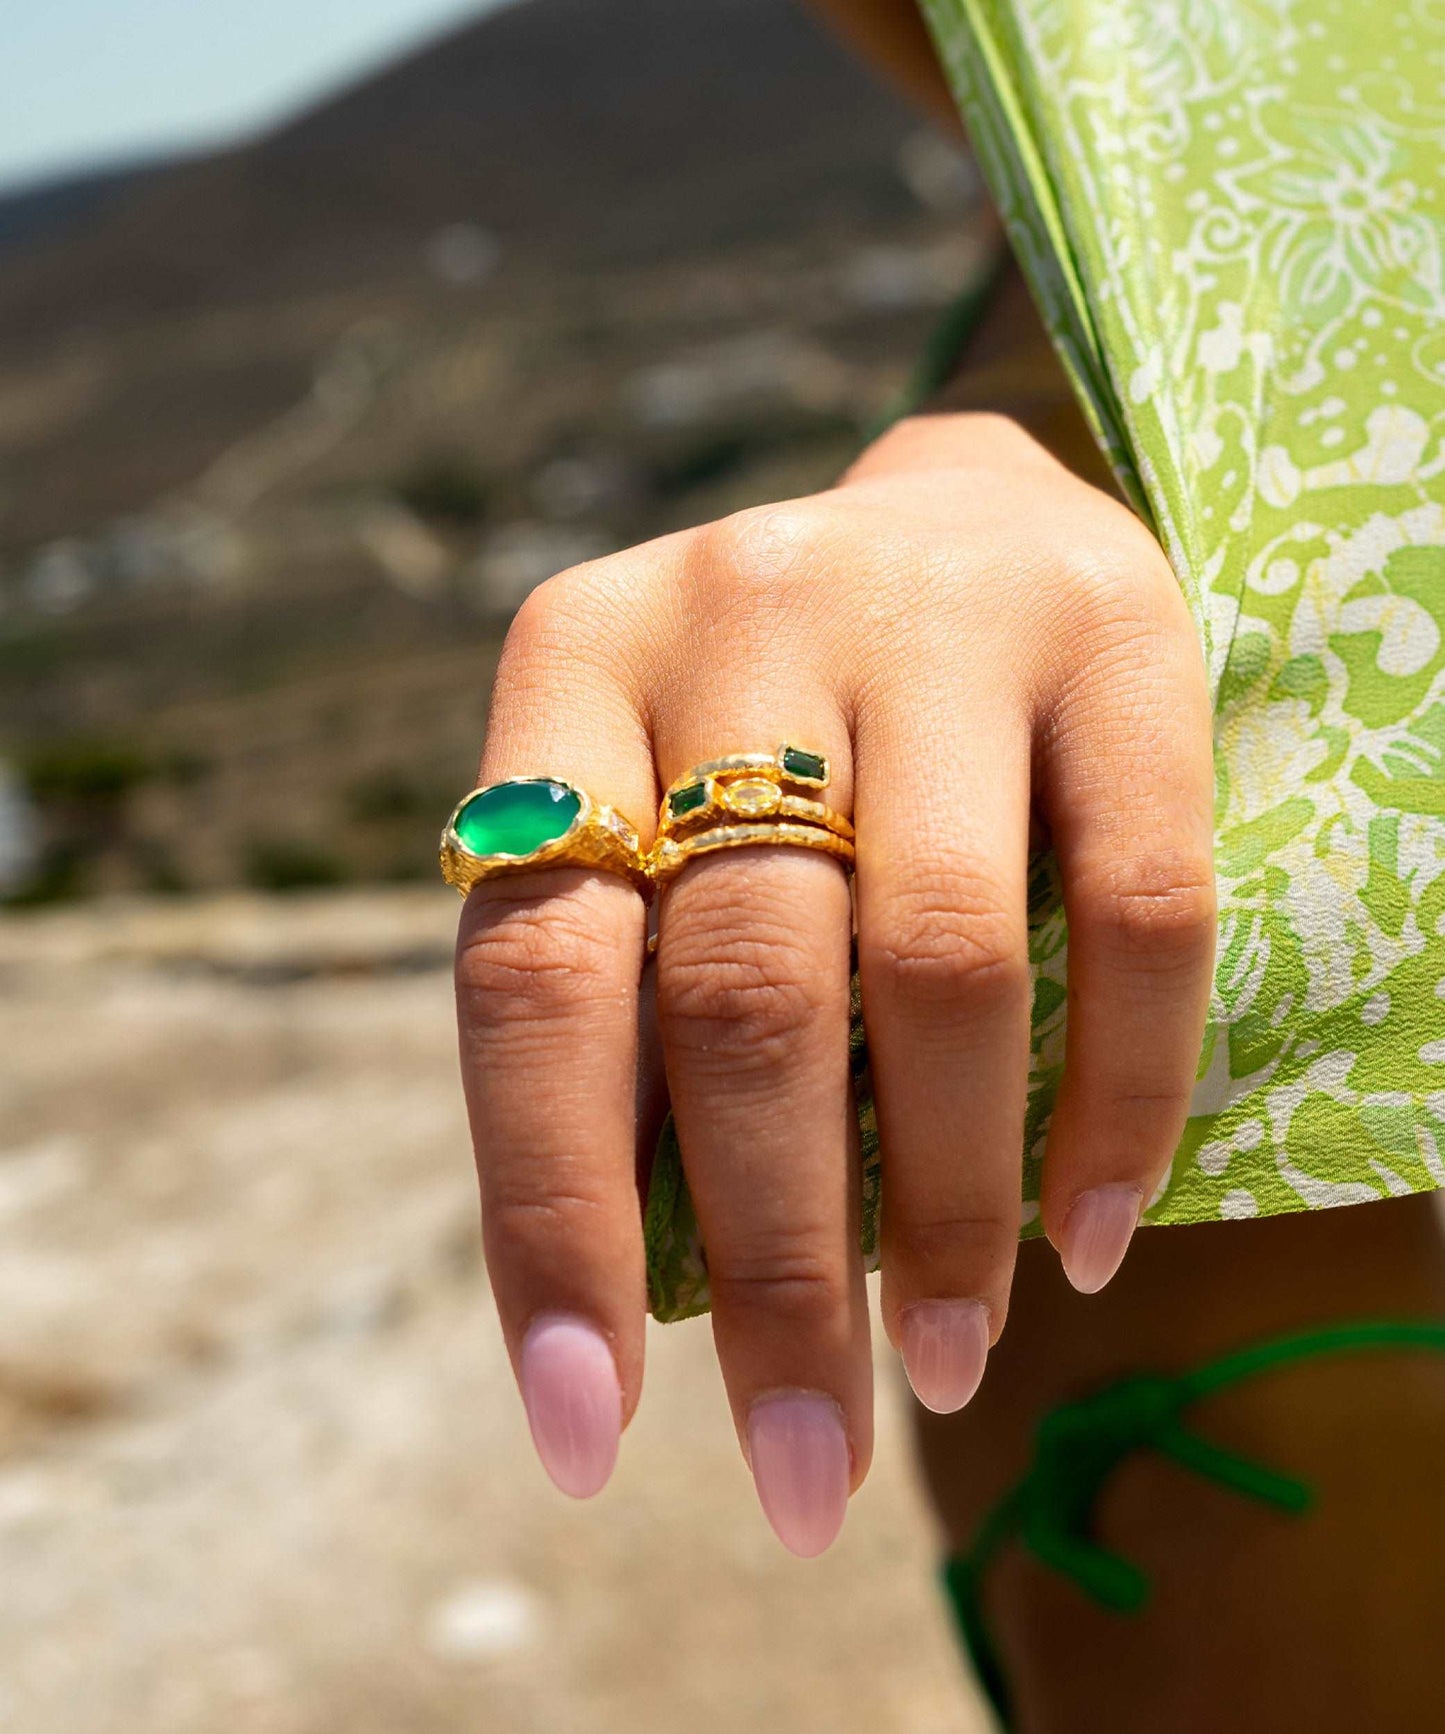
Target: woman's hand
(977, 640)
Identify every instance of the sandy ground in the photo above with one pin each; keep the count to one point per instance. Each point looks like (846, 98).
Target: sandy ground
(261, 1463)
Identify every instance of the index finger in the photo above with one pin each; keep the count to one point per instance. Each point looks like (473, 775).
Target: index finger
(547, 972)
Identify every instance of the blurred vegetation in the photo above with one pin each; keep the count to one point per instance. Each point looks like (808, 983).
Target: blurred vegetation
(184, 768)
(59, 878)
(290, 864)
(80, 788)
(83, 772)
(445, 488)
(158, 871)
(382, 796)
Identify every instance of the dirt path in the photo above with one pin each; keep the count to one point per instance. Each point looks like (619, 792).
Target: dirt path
(261, 1465)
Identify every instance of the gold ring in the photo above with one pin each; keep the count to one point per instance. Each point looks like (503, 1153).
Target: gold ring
(747, 800)
(669, 856)
(790, 766)
(530, 822)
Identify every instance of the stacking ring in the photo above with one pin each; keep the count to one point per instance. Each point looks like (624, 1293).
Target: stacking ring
(746, 800)
(529, 822)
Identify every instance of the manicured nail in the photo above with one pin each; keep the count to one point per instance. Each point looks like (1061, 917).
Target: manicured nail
(799, 1454)
(944, 1345)
(574, 1402)
(1096, 1235)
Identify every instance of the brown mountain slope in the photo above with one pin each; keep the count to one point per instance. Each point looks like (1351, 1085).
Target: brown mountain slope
(574, 130)
(274, 471)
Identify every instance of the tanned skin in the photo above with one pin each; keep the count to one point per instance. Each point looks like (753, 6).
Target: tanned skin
(1257, 1622)
(960, 585)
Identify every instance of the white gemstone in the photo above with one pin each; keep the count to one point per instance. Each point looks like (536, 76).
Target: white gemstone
(753, 798)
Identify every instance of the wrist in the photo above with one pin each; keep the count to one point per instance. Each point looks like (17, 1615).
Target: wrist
(956, 439)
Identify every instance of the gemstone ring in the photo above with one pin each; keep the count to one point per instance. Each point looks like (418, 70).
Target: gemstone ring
(530, 822)
(747, 800)
(790, 766)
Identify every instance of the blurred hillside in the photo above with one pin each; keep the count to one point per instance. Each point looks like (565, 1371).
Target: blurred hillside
(288, 431)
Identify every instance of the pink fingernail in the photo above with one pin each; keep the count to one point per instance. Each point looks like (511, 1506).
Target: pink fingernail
(1096, 1235)
(574, 1402)
(944, 1345)
(799, 1455)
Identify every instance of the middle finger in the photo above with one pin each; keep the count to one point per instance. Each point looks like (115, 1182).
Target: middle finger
(752, 985)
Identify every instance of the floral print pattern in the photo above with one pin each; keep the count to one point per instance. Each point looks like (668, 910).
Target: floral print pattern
(1250, 200)
(1232, 213)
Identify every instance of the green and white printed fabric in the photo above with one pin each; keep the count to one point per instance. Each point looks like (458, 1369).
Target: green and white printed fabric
(1232, 213)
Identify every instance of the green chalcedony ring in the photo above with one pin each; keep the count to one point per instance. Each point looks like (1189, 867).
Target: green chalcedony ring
(531, 822)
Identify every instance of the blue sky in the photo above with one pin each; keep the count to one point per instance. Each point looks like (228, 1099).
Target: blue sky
(89, 80)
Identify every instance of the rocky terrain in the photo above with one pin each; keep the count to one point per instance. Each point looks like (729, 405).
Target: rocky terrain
(261, 1464)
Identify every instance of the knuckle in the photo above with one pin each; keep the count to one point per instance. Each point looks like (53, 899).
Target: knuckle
(542, 1223)
(760, 558)
(783, 1275)
(972, 1242)
(1120, 603)
(1105, 603)
(1158, 908)
(571, 614)
(744, 1002)
(946, 948)
(546, 613)
(761, 539)
(533, 960)
(540, 1206)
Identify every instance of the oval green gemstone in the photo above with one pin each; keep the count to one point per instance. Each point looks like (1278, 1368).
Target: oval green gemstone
(516, 818)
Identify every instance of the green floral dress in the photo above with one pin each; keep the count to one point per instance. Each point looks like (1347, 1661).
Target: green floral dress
(1232, 216)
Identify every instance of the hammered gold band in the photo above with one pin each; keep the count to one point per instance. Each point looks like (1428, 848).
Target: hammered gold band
(748, 800)
(724, 807)
(669, 857)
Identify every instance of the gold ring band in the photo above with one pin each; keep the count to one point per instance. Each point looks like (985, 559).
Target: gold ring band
(670, 855)
(526, 823)
(789, 766)
(747, 800)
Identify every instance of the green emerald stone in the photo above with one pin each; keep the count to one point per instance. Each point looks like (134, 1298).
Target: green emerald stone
(805, 767)
(687, 799)
(516, 818)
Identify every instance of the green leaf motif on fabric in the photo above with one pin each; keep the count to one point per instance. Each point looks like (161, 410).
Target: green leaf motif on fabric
(1248, 662)
(1245, 848)
(1048, 997)
(1303, 677)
